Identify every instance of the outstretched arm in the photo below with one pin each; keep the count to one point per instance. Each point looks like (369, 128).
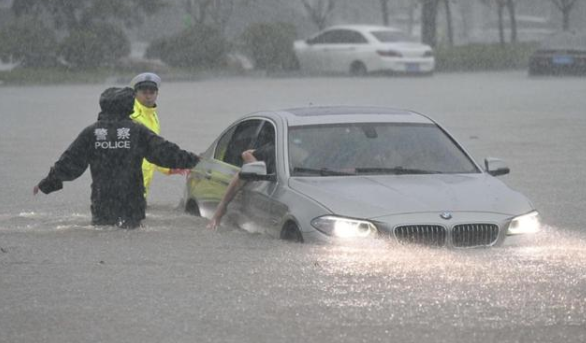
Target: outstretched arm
(235, 185)
(72, 163)
(166, 154)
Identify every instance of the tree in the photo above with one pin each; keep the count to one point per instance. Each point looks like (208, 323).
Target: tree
(199, 46)
(429, 22)
(429, 12)
(71, 15)
(565, 6)
(500, 7)
(197, 10)
(384, 4)
(449, 22)
(90, 29)
(411, 9)
(319, 11)
(216, 13)
(28, 45)
(513, 18)
(271, 45)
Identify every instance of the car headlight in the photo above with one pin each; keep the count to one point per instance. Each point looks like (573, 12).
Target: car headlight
(527, 223)
(344, 227)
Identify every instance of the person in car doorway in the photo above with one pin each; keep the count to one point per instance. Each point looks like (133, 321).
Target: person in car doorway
(114, 148)
(147, 86)
(265, 153)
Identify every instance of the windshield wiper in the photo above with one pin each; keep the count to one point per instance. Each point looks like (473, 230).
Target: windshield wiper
(395, 171)
(321, 172)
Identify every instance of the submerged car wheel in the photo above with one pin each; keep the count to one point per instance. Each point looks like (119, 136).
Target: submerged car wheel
(291, 233)
(358, 69)
(192, 208)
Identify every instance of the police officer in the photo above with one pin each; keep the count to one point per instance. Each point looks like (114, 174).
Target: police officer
(114, 148)
(147, 86)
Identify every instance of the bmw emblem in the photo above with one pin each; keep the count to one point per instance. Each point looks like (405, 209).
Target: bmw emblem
(446, 215)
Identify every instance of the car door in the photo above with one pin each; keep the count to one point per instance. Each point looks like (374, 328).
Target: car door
(317, 55)
(257, 196)
(213, 175)
(345, 50)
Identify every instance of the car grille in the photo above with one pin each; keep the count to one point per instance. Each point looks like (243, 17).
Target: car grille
(462, 236)
(472, 235)
(421, 234)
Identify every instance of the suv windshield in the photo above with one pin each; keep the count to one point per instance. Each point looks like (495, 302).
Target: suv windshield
(374, 149)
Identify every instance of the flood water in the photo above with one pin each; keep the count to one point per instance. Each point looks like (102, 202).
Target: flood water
(63, 280)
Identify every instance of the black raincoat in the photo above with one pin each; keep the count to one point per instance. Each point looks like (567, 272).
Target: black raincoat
(114, 148)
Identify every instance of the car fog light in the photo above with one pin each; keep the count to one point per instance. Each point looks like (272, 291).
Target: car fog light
(527, 223)
(344, 227)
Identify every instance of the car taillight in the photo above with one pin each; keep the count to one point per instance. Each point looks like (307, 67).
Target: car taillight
(389, 53)
(428, 53)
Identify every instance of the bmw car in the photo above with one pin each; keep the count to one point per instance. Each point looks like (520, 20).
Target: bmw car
(363, 49)
(343, 174)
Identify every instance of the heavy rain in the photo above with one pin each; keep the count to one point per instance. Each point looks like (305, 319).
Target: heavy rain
(174, 280)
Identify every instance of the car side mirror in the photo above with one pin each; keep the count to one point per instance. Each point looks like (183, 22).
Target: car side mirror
(255, 171)
(496, 167)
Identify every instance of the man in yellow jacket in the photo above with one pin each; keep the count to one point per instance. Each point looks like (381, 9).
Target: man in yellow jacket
(147, 86)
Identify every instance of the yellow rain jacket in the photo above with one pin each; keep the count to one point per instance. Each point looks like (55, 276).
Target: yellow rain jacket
(147, 116)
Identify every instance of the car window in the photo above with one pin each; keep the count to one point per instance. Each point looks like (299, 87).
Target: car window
(240, 140)
(223, 144)
(375, 148)
(339, 37)
(389, 36)
(327, 37)
(351, 37)
(265, 146)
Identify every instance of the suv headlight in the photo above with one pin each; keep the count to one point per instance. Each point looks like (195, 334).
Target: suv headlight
(527, 223)
(344, 227)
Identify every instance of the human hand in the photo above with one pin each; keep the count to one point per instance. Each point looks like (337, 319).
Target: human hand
(213, 224)
(217, 218)
(35, 190)
(178, 171)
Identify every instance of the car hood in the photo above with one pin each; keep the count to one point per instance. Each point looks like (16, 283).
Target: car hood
(376, 196)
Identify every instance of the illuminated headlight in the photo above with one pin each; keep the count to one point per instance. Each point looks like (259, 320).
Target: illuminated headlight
(527, 223)
(344, 227)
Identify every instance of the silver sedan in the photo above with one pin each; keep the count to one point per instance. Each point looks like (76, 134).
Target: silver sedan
(342, 174)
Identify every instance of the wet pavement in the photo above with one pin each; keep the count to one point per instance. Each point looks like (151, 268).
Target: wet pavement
(62, 280)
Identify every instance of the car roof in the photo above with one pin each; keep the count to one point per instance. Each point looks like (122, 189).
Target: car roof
(316, 115)
(363, 28)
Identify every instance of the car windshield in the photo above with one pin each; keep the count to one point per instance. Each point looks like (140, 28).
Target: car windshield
(374, 149)
(392, 36)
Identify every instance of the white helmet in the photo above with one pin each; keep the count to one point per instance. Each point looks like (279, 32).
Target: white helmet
(144, 79)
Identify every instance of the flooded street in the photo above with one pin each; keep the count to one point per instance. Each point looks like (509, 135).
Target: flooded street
(63, 280)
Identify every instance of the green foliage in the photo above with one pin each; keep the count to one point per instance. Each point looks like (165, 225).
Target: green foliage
(33, 45)
(47, 76)
(100, 45)
(483, 57)
(198, 47)
(271, 45)
(75, 14)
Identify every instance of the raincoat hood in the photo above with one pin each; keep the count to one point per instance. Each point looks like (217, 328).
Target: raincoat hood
(116, 103)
